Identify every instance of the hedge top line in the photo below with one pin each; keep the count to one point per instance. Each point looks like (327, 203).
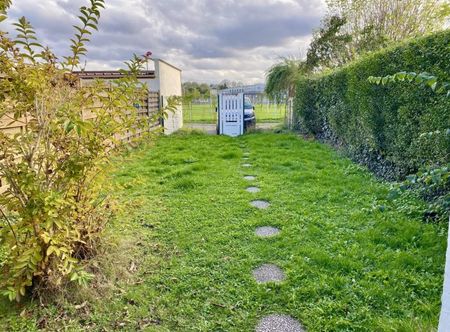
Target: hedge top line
(407, 43)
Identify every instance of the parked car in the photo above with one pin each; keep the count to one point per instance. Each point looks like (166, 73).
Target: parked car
(249, 115)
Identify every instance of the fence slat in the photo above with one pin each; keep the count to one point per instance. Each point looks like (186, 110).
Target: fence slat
(148, 107)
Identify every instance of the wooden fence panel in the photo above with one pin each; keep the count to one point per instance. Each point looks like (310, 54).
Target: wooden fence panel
(148, 108)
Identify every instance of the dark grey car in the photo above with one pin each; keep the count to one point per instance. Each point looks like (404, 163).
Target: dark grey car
(249, 115)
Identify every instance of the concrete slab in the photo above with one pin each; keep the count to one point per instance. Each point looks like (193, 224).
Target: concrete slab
(268, 273)
(267, 231)
(279, 323)
(260, 204)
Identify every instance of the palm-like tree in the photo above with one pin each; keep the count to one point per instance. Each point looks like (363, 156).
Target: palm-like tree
(282, 77)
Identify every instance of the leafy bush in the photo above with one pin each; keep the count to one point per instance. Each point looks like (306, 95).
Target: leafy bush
(430, 183)
(423, 78)
(379, 126)
(54, 208)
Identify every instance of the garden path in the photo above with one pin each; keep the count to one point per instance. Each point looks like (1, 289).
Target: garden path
(267, 273)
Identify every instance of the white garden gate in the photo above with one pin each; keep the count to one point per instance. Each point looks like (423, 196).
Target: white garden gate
(231, 113)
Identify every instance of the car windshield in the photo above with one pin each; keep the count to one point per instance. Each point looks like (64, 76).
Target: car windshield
(248, 104)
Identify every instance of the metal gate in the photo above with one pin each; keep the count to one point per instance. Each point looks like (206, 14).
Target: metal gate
(231, 113)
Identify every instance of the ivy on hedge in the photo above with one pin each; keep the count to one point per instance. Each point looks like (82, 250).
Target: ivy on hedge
(382, 126)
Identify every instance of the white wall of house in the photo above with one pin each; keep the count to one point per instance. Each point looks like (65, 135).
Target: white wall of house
(168, 83)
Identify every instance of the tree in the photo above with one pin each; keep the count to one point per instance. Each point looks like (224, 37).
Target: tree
(282, 77)
(329, 47)
(194, 90)
(355, 27)
(204, 89)
(225, 84)
(196, 94)
(389, 20)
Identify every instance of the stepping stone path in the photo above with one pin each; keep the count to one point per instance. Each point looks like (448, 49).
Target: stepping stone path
(268, 273)
(267, 231)
(279, 323)
(260, 204)
(253, 189)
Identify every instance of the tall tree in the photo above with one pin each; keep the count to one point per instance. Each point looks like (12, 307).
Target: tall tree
(330, 46)
(282, 77)
(204, 89)
(393, 20)
(354, 27)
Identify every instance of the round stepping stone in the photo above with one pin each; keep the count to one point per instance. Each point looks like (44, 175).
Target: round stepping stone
(279, 323)
(246, 153)
(246, 158)
(246, 165)
(260, 204)
(253, 189)
(267, 231)
(268, 273)
(250, 177)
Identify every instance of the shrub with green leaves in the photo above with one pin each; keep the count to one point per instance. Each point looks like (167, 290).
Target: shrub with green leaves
(380, 126)
(431, 183)
(55, 207)
(424, 78)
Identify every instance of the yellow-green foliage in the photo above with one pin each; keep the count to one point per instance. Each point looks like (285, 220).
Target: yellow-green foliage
(53, 211)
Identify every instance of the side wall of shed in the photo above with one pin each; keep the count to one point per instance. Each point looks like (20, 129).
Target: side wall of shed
(169, 80)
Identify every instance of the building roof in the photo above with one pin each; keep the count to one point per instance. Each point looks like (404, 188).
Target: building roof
(169, 64)
(247, 89)
(112, 74)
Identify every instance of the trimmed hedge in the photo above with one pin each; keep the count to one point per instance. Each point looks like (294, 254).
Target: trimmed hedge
(380, 126)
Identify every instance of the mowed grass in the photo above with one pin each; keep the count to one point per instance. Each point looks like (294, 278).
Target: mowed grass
(198, 113)
(349, 266)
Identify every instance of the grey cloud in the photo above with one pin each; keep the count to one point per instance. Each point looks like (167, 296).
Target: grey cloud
(117, 21)
(272, 31)
(237, 23)
(52, 23)
(209, 39)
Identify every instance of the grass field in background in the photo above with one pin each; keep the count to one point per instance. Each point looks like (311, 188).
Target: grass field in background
(350, 265)
(207, 113)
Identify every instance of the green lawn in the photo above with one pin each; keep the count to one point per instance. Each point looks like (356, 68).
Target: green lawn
(207, 113)
(189, 225)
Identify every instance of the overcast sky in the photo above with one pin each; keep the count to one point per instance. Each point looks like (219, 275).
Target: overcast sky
(210, 40)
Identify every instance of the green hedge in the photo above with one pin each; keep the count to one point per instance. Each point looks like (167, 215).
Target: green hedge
(380, 126)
